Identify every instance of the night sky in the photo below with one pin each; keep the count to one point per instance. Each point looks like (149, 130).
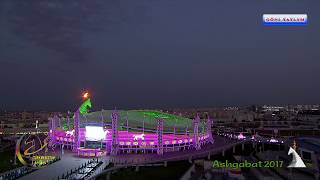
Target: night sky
(156, 53)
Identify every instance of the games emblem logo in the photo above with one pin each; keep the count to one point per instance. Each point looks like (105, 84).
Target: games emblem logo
(32, 150)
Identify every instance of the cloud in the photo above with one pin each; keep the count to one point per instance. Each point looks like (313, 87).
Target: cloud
(61, 25)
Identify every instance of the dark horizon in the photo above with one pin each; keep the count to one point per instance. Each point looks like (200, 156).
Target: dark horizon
(151, 54)
(94, 108)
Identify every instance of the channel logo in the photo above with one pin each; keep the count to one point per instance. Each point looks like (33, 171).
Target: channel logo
(285, 19)
(296, 159)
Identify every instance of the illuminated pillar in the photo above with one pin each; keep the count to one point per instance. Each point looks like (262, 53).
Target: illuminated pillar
(76, 125)
(55, 121)
(209, 131)
(59, 122)
(102, 125)
(68, 119)
(143, 124)
(114, 146)
(160, 133)
(51, 124)
(127, 121)
(102, 120)
(51, 131)
(196, 122)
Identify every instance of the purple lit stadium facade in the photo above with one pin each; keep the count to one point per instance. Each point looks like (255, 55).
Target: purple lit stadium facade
(112, 140)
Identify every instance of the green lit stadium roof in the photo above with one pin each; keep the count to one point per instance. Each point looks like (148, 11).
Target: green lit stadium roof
(136, 118)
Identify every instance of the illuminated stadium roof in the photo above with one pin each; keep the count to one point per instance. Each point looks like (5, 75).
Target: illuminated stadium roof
(136, 118)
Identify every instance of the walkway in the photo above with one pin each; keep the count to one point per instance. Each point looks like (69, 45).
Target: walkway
(68, 161)
(218, 146)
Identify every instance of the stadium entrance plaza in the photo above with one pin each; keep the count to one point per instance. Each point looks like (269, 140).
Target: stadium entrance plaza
(68, 161)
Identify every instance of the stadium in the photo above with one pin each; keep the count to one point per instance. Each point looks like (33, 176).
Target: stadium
(114, 132)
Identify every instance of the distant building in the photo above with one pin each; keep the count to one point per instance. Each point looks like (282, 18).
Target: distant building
(272, 108)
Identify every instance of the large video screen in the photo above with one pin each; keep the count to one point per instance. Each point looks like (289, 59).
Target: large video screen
(94, 133)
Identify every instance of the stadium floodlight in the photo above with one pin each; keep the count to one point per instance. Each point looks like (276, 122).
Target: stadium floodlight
(95, 133)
